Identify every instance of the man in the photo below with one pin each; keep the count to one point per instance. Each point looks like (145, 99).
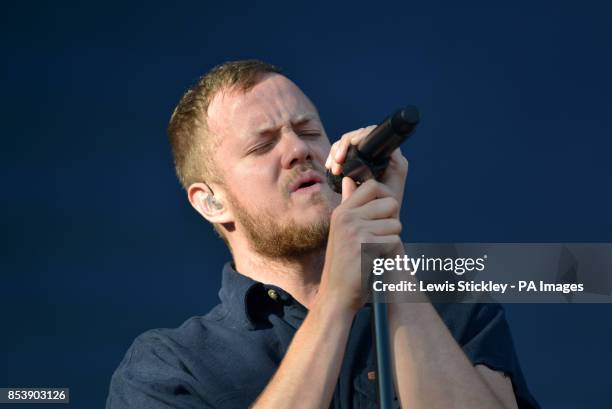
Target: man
(292, 330)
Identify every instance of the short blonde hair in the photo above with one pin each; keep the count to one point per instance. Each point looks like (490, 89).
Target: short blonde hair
(192, 144)
(191, 141)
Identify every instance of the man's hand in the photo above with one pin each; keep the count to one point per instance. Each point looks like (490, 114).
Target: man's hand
(366, 215)
(425, 354)
(369, 214)
(395, 174)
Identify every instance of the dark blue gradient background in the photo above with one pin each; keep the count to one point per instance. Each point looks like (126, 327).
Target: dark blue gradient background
(100, 244)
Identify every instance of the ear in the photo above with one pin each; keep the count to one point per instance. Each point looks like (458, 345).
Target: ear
(210, 205)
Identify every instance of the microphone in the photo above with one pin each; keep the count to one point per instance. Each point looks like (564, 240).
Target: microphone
(370, 157)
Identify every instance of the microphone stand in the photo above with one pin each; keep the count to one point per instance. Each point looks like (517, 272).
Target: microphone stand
(367, 160)
(380, 329)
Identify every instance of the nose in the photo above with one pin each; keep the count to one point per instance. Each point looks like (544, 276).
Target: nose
(296, 150)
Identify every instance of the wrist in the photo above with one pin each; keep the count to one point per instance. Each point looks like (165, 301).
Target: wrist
(334, 306)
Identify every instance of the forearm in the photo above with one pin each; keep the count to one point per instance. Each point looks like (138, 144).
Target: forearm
(431, 370)
(309, 371)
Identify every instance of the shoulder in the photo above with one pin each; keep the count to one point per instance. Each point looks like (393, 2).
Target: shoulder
(466, 321)
(165, 365)
(200, 361)
(193, 340)
(483, 333)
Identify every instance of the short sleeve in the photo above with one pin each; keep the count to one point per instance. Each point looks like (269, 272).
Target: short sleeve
(150, 376)
(486, 340)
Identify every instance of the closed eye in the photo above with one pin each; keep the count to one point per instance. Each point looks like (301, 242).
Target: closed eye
(310, 134)
(262, 148)
(266, 146)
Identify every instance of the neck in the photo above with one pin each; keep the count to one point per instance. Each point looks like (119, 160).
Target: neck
(299, 276)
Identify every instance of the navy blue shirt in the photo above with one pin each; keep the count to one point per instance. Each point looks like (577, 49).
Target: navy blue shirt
(226, 358)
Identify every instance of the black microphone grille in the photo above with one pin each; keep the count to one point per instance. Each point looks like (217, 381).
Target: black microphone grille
(405, 119)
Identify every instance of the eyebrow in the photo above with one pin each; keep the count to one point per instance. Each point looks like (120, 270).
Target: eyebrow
(297, 121)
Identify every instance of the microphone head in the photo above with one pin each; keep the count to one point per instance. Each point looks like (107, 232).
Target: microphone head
(405, 119)
(371, 156)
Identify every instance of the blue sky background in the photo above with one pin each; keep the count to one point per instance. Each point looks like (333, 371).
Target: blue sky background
(100, 244)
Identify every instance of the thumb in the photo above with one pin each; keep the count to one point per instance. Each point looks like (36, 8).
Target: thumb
(348, 187)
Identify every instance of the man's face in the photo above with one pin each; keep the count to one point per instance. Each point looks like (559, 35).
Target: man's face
(271, 155)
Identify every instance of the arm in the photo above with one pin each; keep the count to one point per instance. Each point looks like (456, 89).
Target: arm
(313, 358)
(315, 355)
(431, 370)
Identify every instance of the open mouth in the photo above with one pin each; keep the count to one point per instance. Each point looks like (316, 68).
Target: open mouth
(306, 183)
(309, 186)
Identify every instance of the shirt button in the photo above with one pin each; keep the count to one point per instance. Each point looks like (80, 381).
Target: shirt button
(273, 294)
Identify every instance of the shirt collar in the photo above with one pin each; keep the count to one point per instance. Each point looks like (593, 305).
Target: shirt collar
(250, 301)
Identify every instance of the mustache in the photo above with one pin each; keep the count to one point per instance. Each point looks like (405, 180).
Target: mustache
(299, 170)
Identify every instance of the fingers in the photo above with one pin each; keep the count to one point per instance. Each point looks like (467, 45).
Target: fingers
(384, 227)
(368, 191)
(398, 162)
(389, 239)
(380, 209)
(348, 187)
(351, 138)
(338, 151)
